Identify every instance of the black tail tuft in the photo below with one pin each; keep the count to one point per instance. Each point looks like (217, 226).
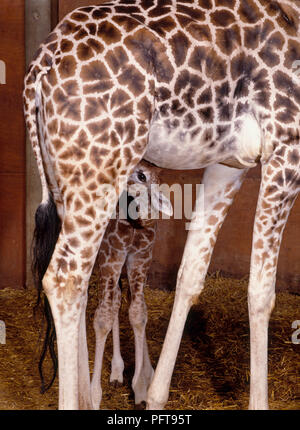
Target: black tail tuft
(47, 229)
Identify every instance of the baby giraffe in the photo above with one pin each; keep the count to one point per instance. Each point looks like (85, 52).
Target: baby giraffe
(129, 241)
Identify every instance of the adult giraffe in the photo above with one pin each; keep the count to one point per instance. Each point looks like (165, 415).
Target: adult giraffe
(184, 84)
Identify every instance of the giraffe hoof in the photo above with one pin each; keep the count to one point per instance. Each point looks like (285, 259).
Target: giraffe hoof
(140, 406)
(116, 384)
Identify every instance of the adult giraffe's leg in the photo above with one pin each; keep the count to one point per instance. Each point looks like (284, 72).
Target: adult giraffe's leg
(221, 183)
(137, 271)
(66, 281)
(279, 187)
(83, 357)
(104, 318)
(65, 284)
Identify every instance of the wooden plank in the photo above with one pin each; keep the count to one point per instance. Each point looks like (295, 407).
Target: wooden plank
(37, 28)
(12, 53)
(12, 231)
(12, 138)
(54, 13)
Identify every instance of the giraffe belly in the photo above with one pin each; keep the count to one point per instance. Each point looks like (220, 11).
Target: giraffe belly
(175, 152)
(176, 149)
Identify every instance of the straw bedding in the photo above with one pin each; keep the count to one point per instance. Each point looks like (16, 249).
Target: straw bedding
(212, 368)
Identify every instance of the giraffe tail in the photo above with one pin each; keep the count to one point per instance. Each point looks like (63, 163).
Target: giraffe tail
(47, 221)
(32, 104)
(46, 232)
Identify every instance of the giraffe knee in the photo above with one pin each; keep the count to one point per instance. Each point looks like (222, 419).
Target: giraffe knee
(138, 315)
(103, 321)
(261, 302)
(68, 287)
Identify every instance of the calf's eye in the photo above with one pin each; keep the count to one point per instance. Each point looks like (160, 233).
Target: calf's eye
(141, 177)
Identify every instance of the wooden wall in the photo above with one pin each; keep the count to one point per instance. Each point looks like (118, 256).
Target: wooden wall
(12, 142)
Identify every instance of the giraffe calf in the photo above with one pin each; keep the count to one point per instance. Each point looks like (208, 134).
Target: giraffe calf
(127, 242)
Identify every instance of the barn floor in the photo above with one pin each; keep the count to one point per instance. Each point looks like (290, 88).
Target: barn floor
(212, 369)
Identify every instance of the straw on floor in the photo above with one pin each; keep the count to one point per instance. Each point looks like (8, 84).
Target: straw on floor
(212, 368)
